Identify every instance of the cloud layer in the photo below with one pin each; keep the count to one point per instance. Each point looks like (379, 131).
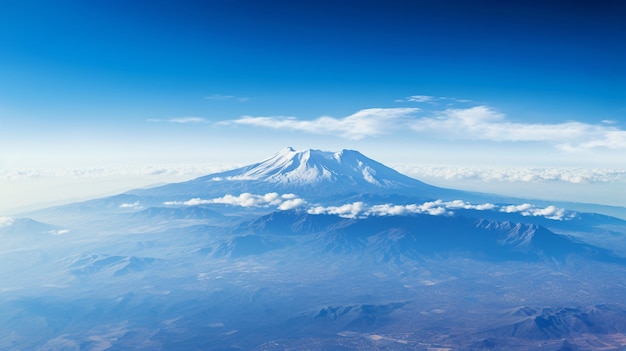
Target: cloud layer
(149, 170)
(360, 210)
(515, 174)
(434, 208)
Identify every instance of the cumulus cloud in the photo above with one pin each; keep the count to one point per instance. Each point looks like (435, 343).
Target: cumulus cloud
(364, 123)
(250, 200)
(291, 204)
(187, 120)
(283, 202)
(550, 212)
(359, 209)
(485, 123)
(434, 208)
(6, 221)
(347, 211)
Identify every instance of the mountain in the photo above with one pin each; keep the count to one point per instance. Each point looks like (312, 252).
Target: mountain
(312, 173)
(312, 250)
(315, 167)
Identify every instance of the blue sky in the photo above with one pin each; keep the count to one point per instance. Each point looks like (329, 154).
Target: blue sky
(118, 83)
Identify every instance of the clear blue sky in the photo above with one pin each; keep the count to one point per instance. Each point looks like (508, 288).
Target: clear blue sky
(108, 82)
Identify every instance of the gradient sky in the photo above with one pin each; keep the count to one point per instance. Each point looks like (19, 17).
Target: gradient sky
(135, 83)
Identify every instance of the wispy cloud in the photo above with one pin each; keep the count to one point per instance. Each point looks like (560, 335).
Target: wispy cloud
(364, 123)
(515, 174)
(187, 120)
(178, 170)
(479, 122)
(135, 205)
(485, 123)
(227, 97)
(434, 100)
(282, 202)
(417, 98)
(6, 221)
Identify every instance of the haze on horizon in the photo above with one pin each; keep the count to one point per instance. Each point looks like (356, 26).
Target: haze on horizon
(516, 98)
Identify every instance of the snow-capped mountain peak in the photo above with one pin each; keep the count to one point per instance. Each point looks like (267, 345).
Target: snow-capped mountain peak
(315, 166)
(309, 173)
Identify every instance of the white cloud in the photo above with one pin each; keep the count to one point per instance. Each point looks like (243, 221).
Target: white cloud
(283, 202)
(611, 139)
(433, 208)
(364, 123)
(433, 100)
(149, 170)
(484, 123)
(6, 221)
(135, 205)
(550, 212)
(359, 209)
(515, 174)
(473, 123)
(346, 211)
(417, 98)
(516, 208)
(291, 204)
(388, 210)
(249, 200)
(192, 202)
(59, 232)
(187, 120)
(459, 204)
